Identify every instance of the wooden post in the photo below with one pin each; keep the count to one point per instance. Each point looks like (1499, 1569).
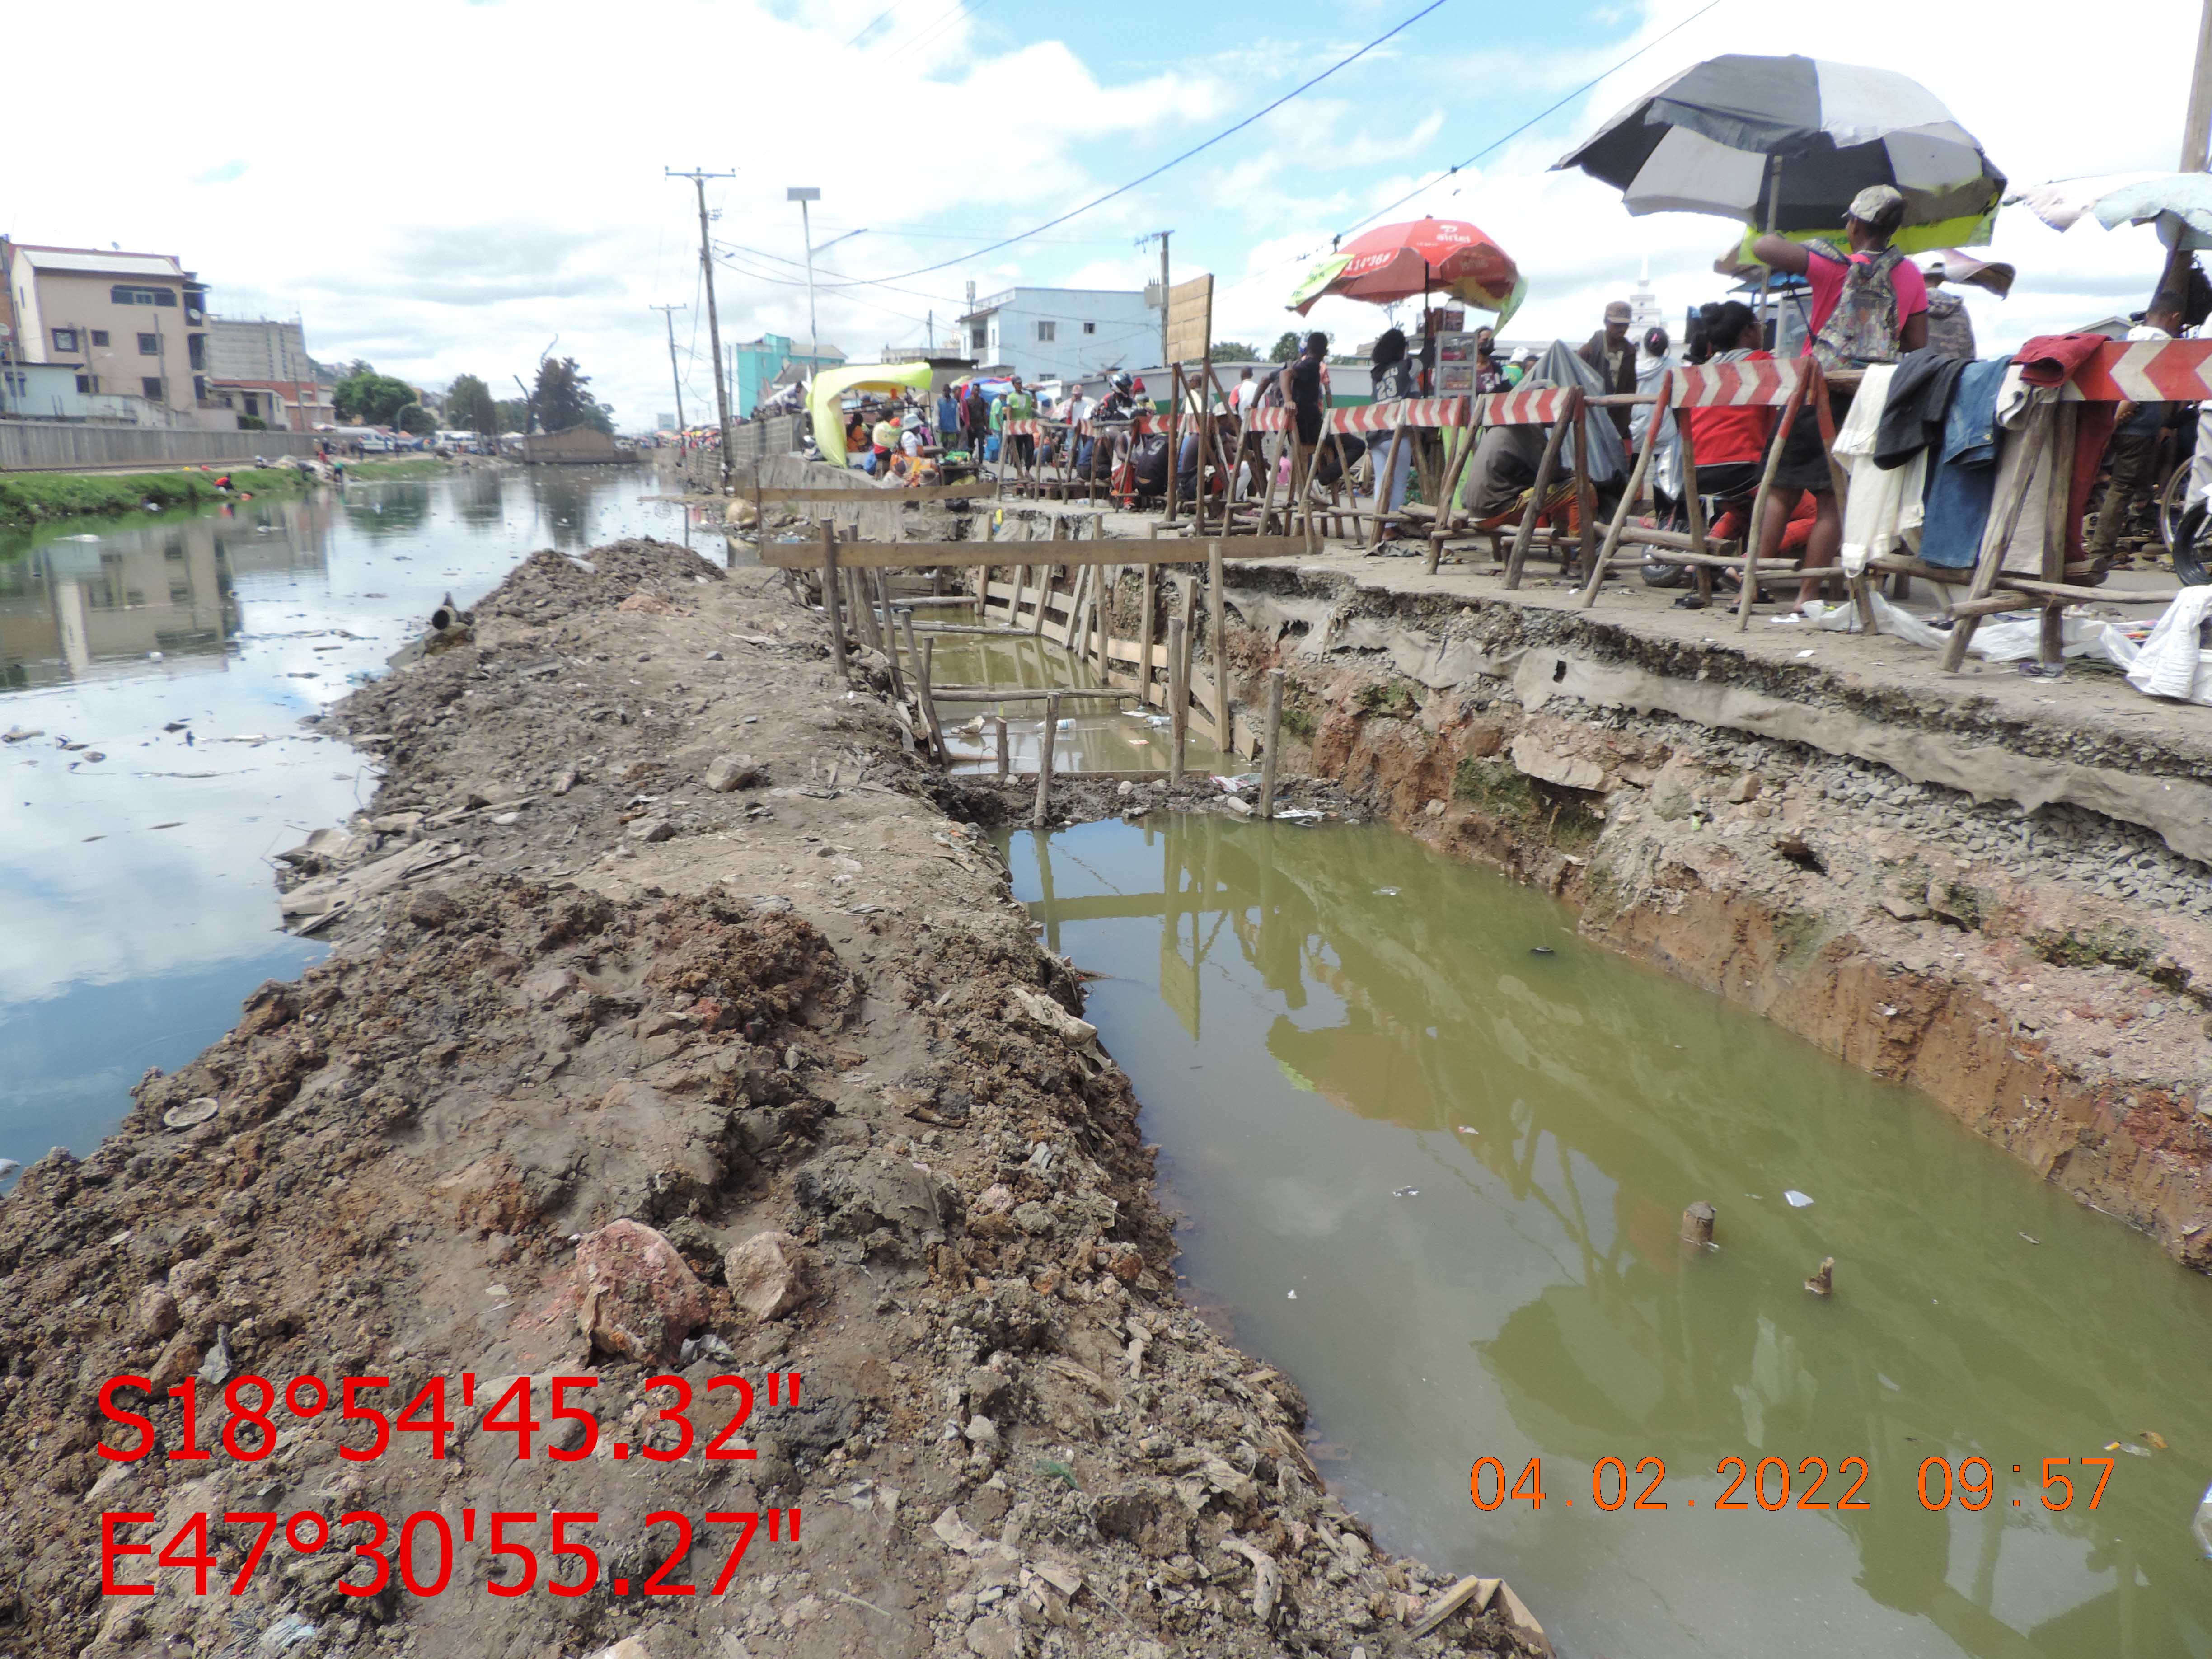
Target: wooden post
(1762, 506)
(1546, 471)
(883, 593)
(2057, 520)
(1401, 452)
(1694, 504)
(926, 670)
(1047, 576)
(998, 726)
(1175, 417)
(830, 599)
(1044, 763)
(1698, 1224)
(1619, 524)
(1146, 624)
(1273, 740)
(1178, 695)
(1450, 487)
(920, 686)
(1224, 733)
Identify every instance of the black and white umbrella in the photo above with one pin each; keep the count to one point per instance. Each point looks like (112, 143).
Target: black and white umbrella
(1785, 144)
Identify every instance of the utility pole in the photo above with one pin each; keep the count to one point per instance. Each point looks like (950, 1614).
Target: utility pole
(699, 178)
(803, 194)
(1161, 237)
(2195, 139)
(672, 374)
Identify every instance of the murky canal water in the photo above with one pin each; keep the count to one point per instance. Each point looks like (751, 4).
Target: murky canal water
(135, 899)
(1439, 1177)
(1093, 736)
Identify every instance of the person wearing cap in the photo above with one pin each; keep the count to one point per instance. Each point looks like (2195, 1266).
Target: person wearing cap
(1869, 306)
(1518, 366)
(1609, 352)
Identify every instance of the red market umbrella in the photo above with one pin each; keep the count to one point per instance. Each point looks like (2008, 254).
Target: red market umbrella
(1422, 256)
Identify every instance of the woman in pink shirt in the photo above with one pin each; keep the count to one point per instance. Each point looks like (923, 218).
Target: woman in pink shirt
(1869, 306)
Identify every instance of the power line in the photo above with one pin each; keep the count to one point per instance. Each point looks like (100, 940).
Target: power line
(1300, 259)
(1123, 189)
(1542, 115)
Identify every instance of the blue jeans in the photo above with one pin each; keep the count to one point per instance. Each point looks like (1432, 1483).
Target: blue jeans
(1397, 472)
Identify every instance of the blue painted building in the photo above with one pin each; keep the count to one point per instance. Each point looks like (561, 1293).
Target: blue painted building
(760, 362)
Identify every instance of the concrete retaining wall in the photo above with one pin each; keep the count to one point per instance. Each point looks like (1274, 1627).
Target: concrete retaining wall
(62, 446)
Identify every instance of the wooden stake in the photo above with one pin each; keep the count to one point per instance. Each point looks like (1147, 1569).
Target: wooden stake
(925, 669)
(830, 599)
(1546, 471)
(1275, 742)
(883, 594)
(1044, 765)
(1146, 624)
(1178, 693)
(999, 726)
(920, 686)
(1698, 1224)
(1224, 733)
(1047, 576)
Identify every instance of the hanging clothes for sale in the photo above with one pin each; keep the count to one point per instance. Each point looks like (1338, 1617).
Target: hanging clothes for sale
(1881, 512)
(1966, 469)
(1919, 397)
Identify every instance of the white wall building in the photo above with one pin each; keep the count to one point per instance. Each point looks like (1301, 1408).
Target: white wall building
(1047, 333)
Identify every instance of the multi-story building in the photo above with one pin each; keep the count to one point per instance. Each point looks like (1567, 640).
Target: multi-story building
(260, 369)
(136, 324)
(762, 364)
(1053, 333)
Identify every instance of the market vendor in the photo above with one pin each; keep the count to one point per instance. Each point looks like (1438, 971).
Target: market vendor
(1869, 306)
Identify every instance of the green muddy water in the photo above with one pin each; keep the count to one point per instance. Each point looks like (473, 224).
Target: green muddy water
(1438, 1178)
(1093, 736)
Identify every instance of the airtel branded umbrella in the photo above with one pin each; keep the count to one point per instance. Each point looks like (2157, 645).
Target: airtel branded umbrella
(1784, 143)
(1424, 256)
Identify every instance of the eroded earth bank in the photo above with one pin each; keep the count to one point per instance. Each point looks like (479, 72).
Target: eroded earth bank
(677, 1022)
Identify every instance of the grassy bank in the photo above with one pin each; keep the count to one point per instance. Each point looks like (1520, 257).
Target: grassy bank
(36, 498)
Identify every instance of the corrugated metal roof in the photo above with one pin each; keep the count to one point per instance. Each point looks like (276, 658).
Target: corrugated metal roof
(90, 263)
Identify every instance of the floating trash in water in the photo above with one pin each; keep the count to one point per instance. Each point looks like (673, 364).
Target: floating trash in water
(1405, 1192)
(2123, 1446)
(1797, 1200)
(1541, 951)
(1386, 892)
(1464, 1130)
(1293, 1297)
(2031, 1238)
(1894, 1388)
(2155, 1440)
(8, 1167)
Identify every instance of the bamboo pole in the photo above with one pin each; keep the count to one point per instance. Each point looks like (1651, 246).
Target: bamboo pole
(1273, 741)
(1178, 695)
(1044, 763)
(830, 599)
(999, 729)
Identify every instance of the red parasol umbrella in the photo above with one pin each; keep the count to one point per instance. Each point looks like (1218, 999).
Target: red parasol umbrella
(1397, 261)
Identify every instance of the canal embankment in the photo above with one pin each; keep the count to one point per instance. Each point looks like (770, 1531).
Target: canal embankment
(30, 498)
(652, 923)
(1992, 888)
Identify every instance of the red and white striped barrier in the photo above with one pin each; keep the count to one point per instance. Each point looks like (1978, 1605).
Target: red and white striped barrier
(1427, 412)
(1753, 383)
(1276, 418)
(2145, 372)
(1025, 427)
(1533, 406)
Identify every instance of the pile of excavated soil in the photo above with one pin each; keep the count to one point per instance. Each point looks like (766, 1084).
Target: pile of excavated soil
(639, 1078)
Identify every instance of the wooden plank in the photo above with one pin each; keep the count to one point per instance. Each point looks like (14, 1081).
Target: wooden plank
(875, 495)
(1218, 603)
(921, 556)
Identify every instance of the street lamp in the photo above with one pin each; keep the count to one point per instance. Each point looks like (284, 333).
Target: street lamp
(804, 194)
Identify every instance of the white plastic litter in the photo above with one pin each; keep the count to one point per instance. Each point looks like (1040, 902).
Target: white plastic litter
(1797, 1200)
(2172, 661)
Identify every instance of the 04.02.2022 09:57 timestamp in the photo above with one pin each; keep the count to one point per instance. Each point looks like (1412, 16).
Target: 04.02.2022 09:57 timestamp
(1771, 1484)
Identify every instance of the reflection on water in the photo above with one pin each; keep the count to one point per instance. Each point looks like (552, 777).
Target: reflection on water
(1469, 1163)
(135, 895)
(1093, 736)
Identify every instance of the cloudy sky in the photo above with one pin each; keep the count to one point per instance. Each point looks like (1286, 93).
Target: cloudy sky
(439, 186)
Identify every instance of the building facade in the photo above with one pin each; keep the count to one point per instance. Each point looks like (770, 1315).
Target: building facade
(1052, 333)
(260, 369)
(135, 324)
(760, 362)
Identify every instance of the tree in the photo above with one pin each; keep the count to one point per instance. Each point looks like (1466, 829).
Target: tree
(562, 401)
(511, 415)
(1286, 349)
(1234, 351)
(365, 398)
(469, 405)
(416, 421)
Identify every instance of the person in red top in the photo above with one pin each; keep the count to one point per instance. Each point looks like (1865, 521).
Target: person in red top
(1869, 306)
